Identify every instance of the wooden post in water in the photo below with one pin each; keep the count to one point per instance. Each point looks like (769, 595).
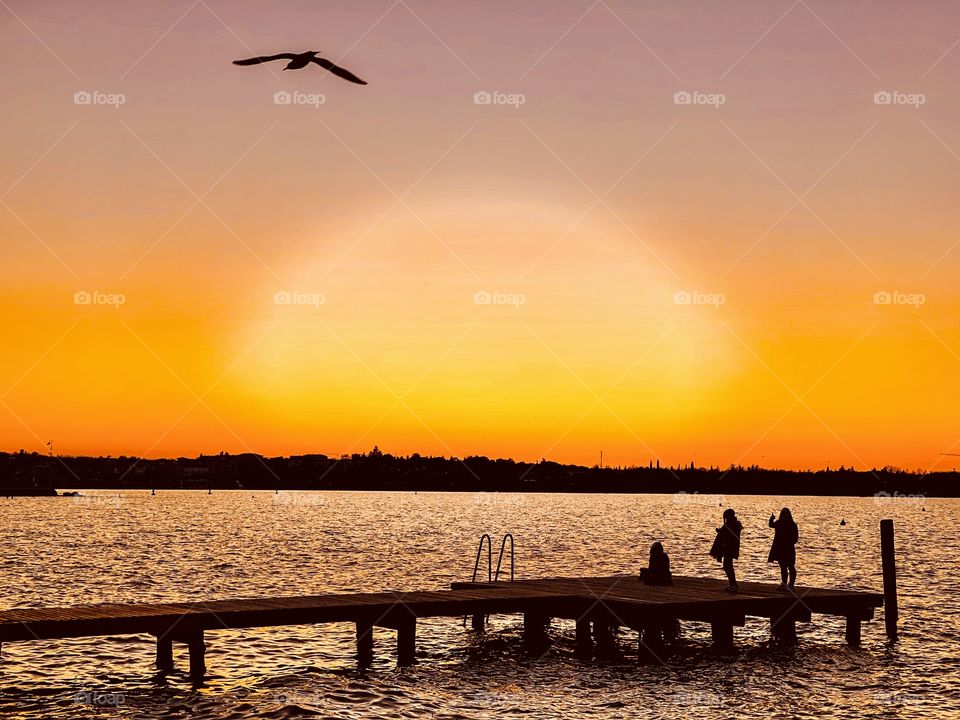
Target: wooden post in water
(534, 631)
(604, 635)
(478, 621)
(164, 652)
(584, 639)
(364, 642)
(722, 633)
(197, 648)
(407, 642)
(784, 629)
(651, 643)
(891, 611)
(853, 631)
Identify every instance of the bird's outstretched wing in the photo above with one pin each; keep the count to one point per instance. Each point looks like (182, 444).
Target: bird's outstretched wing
(264, 58)
(338, 71)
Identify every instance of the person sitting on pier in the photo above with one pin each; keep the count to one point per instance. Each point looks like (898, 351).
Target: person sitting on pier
(784, 550)
(658, 571)
(726, 546)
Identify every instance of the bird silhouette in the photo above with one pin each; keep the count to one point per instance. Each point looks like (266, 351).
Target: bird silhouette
(301, 60)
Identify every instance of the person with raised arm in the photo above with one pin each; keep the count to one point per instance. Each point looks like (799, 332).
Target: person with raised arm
(784, 547)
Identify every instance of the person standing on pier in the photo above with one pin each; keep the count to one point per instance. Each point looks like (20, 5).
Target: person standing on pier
(726, 546)
(784, 550)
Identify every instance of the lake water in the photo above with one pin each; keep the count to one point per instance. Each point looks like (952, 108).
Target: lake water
(186, 546)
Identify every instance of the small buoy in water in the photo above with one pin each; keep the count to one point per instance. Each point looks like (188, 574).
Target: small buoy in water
(923, 509)
(842, 521)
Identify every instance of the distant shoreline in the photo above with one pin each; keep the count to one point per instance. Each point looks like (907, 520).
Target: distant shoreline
(692, 498)
(35, 473)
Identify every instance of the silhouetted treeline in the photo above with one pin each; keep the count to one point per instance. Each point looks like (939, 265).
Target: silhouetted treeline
(26, 473)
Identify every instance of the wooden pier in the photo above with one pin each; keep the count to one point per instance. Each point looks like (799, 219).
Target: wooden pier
(598, 605)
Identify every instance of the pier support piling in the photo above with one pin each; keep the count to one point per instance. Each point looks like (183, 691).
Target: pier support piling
(197, 648)
(407, 642)
(535, 632)
(722, 633)
(364, 642)
(652, 646)
(784, 630)
(604, 634)
(584, 640)
(853, 631)
(164, 652)
(478, 622)
(891, 611)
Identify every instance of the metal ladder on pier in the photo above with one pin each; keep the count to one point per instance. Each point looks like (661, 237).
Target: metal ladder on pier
(503, 546)
(492, 575)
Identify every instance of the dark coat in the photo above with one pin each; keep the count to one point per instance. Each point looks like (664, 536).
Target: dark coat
(727, 542)
(785, 537)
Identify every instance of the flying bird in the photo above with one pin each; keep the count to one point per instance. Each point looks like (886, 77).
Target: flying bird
(301, 60)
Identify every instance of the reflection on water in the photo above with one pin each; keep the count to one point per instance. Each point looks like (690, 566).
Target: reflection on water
(183, 546)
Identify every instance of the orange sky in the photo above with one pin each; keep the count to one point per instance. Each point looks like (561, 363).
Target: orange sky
(704, 281)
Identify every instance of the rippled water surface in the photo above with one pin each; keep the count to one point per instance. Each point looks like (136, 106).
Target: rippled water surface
(187, 546)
